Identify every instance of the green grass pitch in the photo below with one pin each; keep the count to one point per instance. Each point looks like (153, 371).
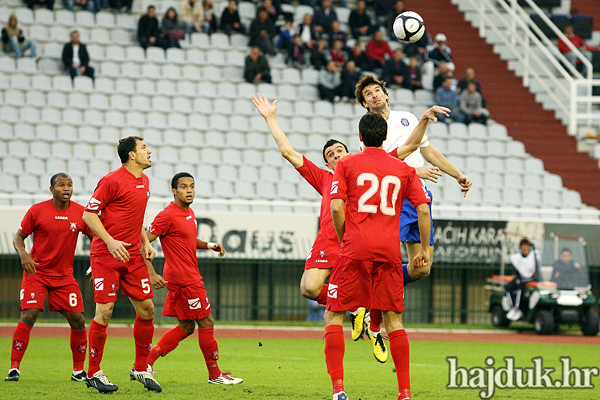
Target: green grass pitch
(283, 369)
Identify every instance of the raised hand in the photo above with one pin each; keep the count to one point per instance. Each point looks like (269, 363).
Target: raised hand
(465, 184)
(436, 110)
(263, 106)
(429, 173)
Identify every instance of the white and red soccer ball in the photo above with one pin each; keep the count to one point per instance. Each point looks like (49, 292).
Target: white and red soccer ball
(409, 27)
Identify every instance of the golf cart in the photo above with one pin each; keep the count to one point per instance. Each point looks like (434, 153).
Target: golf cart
(560, 295)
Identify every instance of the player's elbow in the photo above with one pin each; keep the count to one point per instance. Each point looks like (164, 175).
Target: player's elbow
(423, 210)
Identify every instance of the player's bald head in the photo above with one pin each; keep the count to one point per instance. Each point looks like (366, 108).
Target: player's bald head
(373, 129)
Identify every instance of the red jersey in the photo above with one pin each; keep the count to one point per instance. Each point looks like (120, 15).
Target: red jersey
(55, 235)
(374, 185)
(320, 179)
(121, 199)
(178, 232)
(576, 40)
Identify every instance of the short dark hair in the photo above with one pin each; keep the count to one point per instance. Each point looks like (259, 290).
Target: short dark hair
(565, 249)
(330, 143)
(55, 177)
(373, 128)
(363, 83)
(127, 145)
(175, 179)
(524, 241)
(150, 7)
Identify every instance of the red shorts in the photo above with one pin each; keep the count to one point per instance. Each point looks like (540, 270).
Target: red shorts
(369, 284)
(133, 275)
(323, 254)
(64, 293)
(187, 302)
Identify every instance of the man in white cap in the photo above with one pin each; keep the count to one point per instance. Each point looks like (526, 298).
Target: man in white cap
(435, 53)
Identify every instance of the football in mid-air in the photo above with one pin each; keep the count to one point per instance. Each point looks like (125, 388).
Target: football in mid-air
(409, 27)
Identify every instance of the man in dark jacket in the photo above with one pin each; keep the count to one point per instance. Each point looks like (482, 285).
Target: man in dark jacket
(75, 58)
(149, 33)
(360, 22)
(230, 19)
(257, 68)
(395, 71)
(262, 32)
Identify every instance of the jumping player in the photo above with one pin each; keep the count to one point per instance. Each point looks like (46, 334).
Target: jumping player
(117, 258)
(187, 300)
(55, 225)
(367, 193)
(372, 95)
(326, 248)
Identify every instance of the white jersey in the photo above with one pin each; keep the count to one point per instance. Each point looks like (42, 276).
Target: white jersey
(526, 265)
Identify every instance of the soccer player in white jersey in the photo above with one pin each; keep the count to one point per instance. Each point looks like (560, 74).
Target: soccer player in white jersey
(372, 95)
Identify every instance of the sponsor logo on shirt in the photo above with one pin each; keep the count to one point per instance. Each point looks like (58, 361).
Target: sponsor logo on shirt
(73, 226)
(140, 187)
(60, 217)
(194, 303)
(99, 284)
(404, 122)
(332, 291)
(334, 187)
(188, 217)
(31, 301)
(322, 261)
(93, 204)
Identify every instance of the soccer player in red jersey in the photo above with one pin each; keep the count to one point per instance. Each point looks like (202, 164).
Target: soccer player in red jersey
(55, 225)
(187, 300)
(367, 192)
(117, 258)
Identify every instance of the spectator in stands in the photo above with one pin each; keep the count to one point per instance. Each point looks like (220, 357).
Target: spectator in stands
(329, 83)
(191, 16)
(122, 5)
(382, 10)
(149, 33)
(271, 9)
(358, 55)
(230, 19)
(471, 104)
(286, 36)
(376, 50)
(308, 33)
(14, 41)
(336, 34)
(439, 52)
(392, 13)
(414, 74)
(257, 68)
(85, 4)
(445, 96)
(337, 54)
(76, 59)
(171, 28)
(210, 20)
(323, 17)
(350, 77)
(105, 5)
(360, 22)
(319, 55)
(48, 3)
(579, 43)
(395, 71)
(469, 77)
(262, 32)
(438, 80)
(419, 47)
(295, 57)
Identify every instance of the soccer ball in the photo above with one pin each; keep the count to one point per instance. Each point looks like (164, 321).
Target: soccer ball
(409, 27)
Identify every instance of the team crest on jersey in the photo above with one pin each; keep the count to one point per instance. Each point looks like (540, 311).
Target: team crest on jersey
(93, 352)
(32, 295)
(113, 287)
(81, 348)
(18, 345)
(404, 122)
(73, 226)
(322, 253)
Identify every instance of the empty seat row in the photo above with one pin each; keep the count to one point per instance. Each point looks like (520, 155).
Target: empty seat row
(69, 19)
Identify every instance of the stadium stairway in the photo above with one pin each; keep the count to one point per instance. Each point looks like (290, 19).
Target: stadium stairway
(589, 7)
(511, 104)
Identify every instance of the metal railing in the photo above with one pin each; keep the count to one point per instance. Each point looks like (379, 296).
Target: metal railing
(521, 35)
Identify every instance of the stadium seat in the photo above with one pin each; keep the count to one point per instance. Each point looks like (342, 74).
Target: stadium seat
(533, 181)
(92, 134)
(114, 118)
(28, 184)
(161, 104)
(287, 191)
(552, 182)
(175, 55)
(534, 166)
(105, 20)
(268, 174)
(34, 166)
(516, 149)
(155, 55)
(81, 151)
(531, 198)
(310, 76)
(308, 91)
(83, 84)
(424, 97)
(514, 165)
(458, 130)
(477, 131)
(14, 98)
(67, 133)
(45, 132)
(135, 54)
(551, 199)
(265, 190)
(98, 102)
(100, 36)
(23, 132)
(571, 199)
(300, 125)
(191, 72)
(244, 189)
(85, 19)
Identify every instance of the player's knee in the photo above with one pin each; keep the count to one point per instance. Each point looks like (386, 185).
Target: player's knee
(310, 292)
(76, 320)
(207, 322)
(187, 327)
(29, 316)
(104, 313)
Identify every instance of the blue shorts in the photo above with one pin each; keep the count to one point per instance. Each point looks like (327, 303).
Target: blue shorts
(409, 222)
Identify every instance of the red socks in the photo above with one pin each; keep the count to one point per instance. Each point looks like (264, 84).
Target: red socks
(334, 356)
(322, 297)
(78, 348)
(376, 320)
(97, 341)
(143, 331)
(400, 351)
(19, 344)
(167, 343)
(210, 351)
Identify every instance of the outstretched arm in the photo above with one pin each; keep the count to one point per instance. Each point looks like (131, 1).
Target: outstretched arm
(285, 147)
(416, 137)
(434, 157)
